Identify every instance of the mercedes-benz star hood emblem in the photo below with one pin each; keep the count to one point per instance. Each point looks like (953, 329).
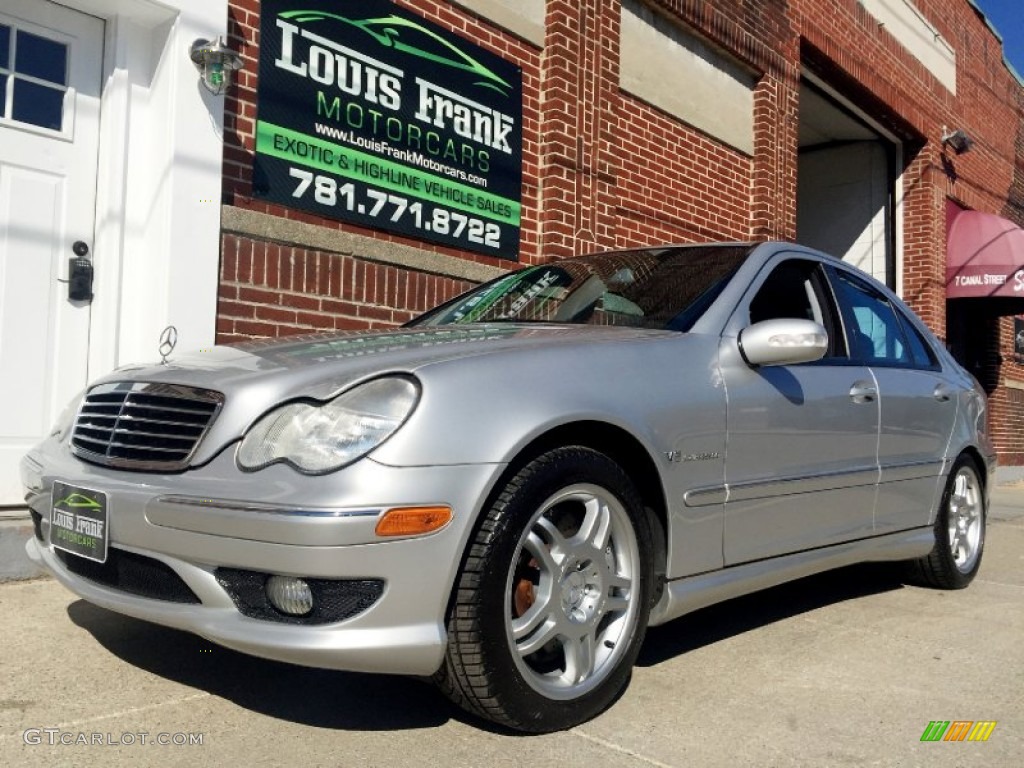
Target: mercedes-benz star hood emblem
(168, 341)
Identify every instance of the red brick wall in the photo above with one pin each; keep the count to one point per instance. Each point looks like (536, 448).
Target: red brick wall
(268, 289)
(675, 184)
(604, 169)
(578, 149)
(1006, 403)
(289, 307)
(875, 72)
(609, 170)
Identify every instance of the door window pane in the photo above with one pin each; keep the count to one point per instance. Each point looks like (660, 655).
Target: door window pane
(36, 56)
(787, 292)
(920, 351)
(874, 331)
(35, 71)
(794, 289)
(38, 105)
(5, 46)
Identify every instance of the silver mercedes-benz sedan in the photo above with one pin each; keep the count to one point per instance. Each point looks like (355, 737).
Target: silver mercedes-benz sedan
(507, 492)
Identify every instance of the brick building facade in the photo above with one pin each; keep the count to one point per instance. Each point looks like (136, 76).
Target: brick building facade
(615, 154)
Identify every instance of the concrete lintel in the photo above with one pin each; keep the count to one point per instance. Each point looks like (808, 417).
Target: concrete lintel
(240, 221)
(522, 18)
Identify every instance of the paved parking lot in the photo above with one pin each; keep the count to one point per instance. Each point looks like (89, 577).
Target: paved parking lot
(842, 669)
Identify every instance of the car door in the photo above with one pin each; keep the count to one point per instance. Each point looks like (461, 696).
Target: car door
(917, 402)
(801, 463)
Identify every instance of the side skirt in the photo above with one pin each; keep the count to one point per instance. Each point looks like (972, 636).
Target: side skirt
(692, 593)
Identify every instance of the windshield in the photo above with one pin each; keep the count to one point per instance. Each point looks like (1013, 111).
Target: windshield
(662, 288)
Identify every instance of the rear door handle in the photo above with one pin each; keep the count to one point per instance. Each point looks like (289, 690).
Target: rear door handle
(942, 393)
(863, 392)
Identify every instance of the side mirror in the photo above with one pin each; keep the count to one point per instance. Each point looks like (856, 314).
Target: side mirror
(785, 341)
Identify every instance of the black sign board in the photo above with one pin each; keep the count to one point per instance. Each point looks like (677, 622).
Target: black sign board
(78, 521)
(1018, 338)
(370, 114)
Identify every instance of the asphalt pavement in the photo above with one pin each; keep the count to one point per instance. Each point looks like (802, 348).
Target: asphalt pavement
(846, 668)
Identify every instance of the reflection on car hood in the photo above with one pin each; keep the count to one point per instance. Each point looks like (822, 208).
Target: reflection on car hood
(255, 376)
(336, 359)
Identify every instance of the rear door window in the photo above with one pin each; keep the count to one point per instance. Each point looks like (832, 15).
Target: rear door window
(876, 332)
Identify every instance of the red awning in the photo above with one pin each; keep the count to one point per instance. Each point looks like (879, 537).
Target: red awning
(984, 257)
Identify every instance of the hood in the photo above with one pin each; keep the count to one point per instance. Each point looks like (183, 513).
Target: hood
(256, 376)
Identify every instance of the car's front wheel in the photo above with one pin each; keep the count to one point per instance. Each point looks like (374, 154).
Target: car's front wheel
(552, 600)
(959, 531)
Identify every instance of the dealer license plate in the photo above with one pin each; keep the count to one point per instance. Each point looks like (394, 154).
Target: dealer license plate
(78, 521)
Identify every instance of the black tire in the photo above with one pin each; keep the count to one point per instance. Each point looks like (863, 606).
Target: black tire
(959, 532)
(563, 558)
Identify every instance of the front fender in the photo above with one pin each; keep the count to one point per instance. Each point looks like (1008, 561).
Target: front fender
(487, 409)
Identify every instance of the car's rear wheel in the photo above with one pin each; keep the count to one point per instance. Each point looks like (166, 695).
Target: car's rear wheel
(552, 600)
(959, 531)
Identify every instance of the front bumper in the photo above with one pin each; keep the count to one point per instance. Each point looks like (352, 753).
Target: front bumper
(278, 522)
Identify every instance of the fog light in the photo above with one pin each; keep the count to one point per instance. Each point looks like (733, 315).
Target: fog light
(290, 595)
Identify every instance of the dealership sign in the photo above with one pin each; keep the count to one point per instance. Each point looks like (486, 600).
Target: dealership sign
(370, 114)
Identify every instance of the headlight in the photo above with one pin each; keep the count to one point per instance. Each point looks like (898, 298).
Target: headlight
(322, 437)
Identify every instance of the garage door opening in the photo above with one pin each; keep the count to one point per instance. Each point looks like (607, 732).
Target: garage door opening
(846, 177)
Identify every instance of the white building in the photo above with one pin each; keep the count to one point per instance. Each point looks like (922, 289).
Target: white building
(107, 141)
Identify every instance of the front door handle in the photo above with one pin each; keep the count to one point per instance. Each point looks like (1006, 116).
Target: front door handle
(863, 392)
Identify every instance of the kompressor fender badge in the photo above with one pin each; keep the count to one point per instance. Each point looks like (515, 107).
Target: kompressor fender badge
(168, 341)
(676, 457)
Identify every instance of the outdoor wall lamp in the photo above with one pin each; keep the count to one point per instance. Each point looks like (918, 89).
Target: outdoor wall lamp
(958, 140)
(215, 62)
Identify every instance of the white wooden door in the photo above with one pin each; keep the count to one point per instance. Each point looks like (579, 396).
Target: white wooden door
(50, 78)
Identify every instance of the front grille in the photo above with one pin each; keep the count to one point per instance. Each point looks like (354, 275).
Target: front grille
(144, 426)
(333, 599)
(131, 573)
